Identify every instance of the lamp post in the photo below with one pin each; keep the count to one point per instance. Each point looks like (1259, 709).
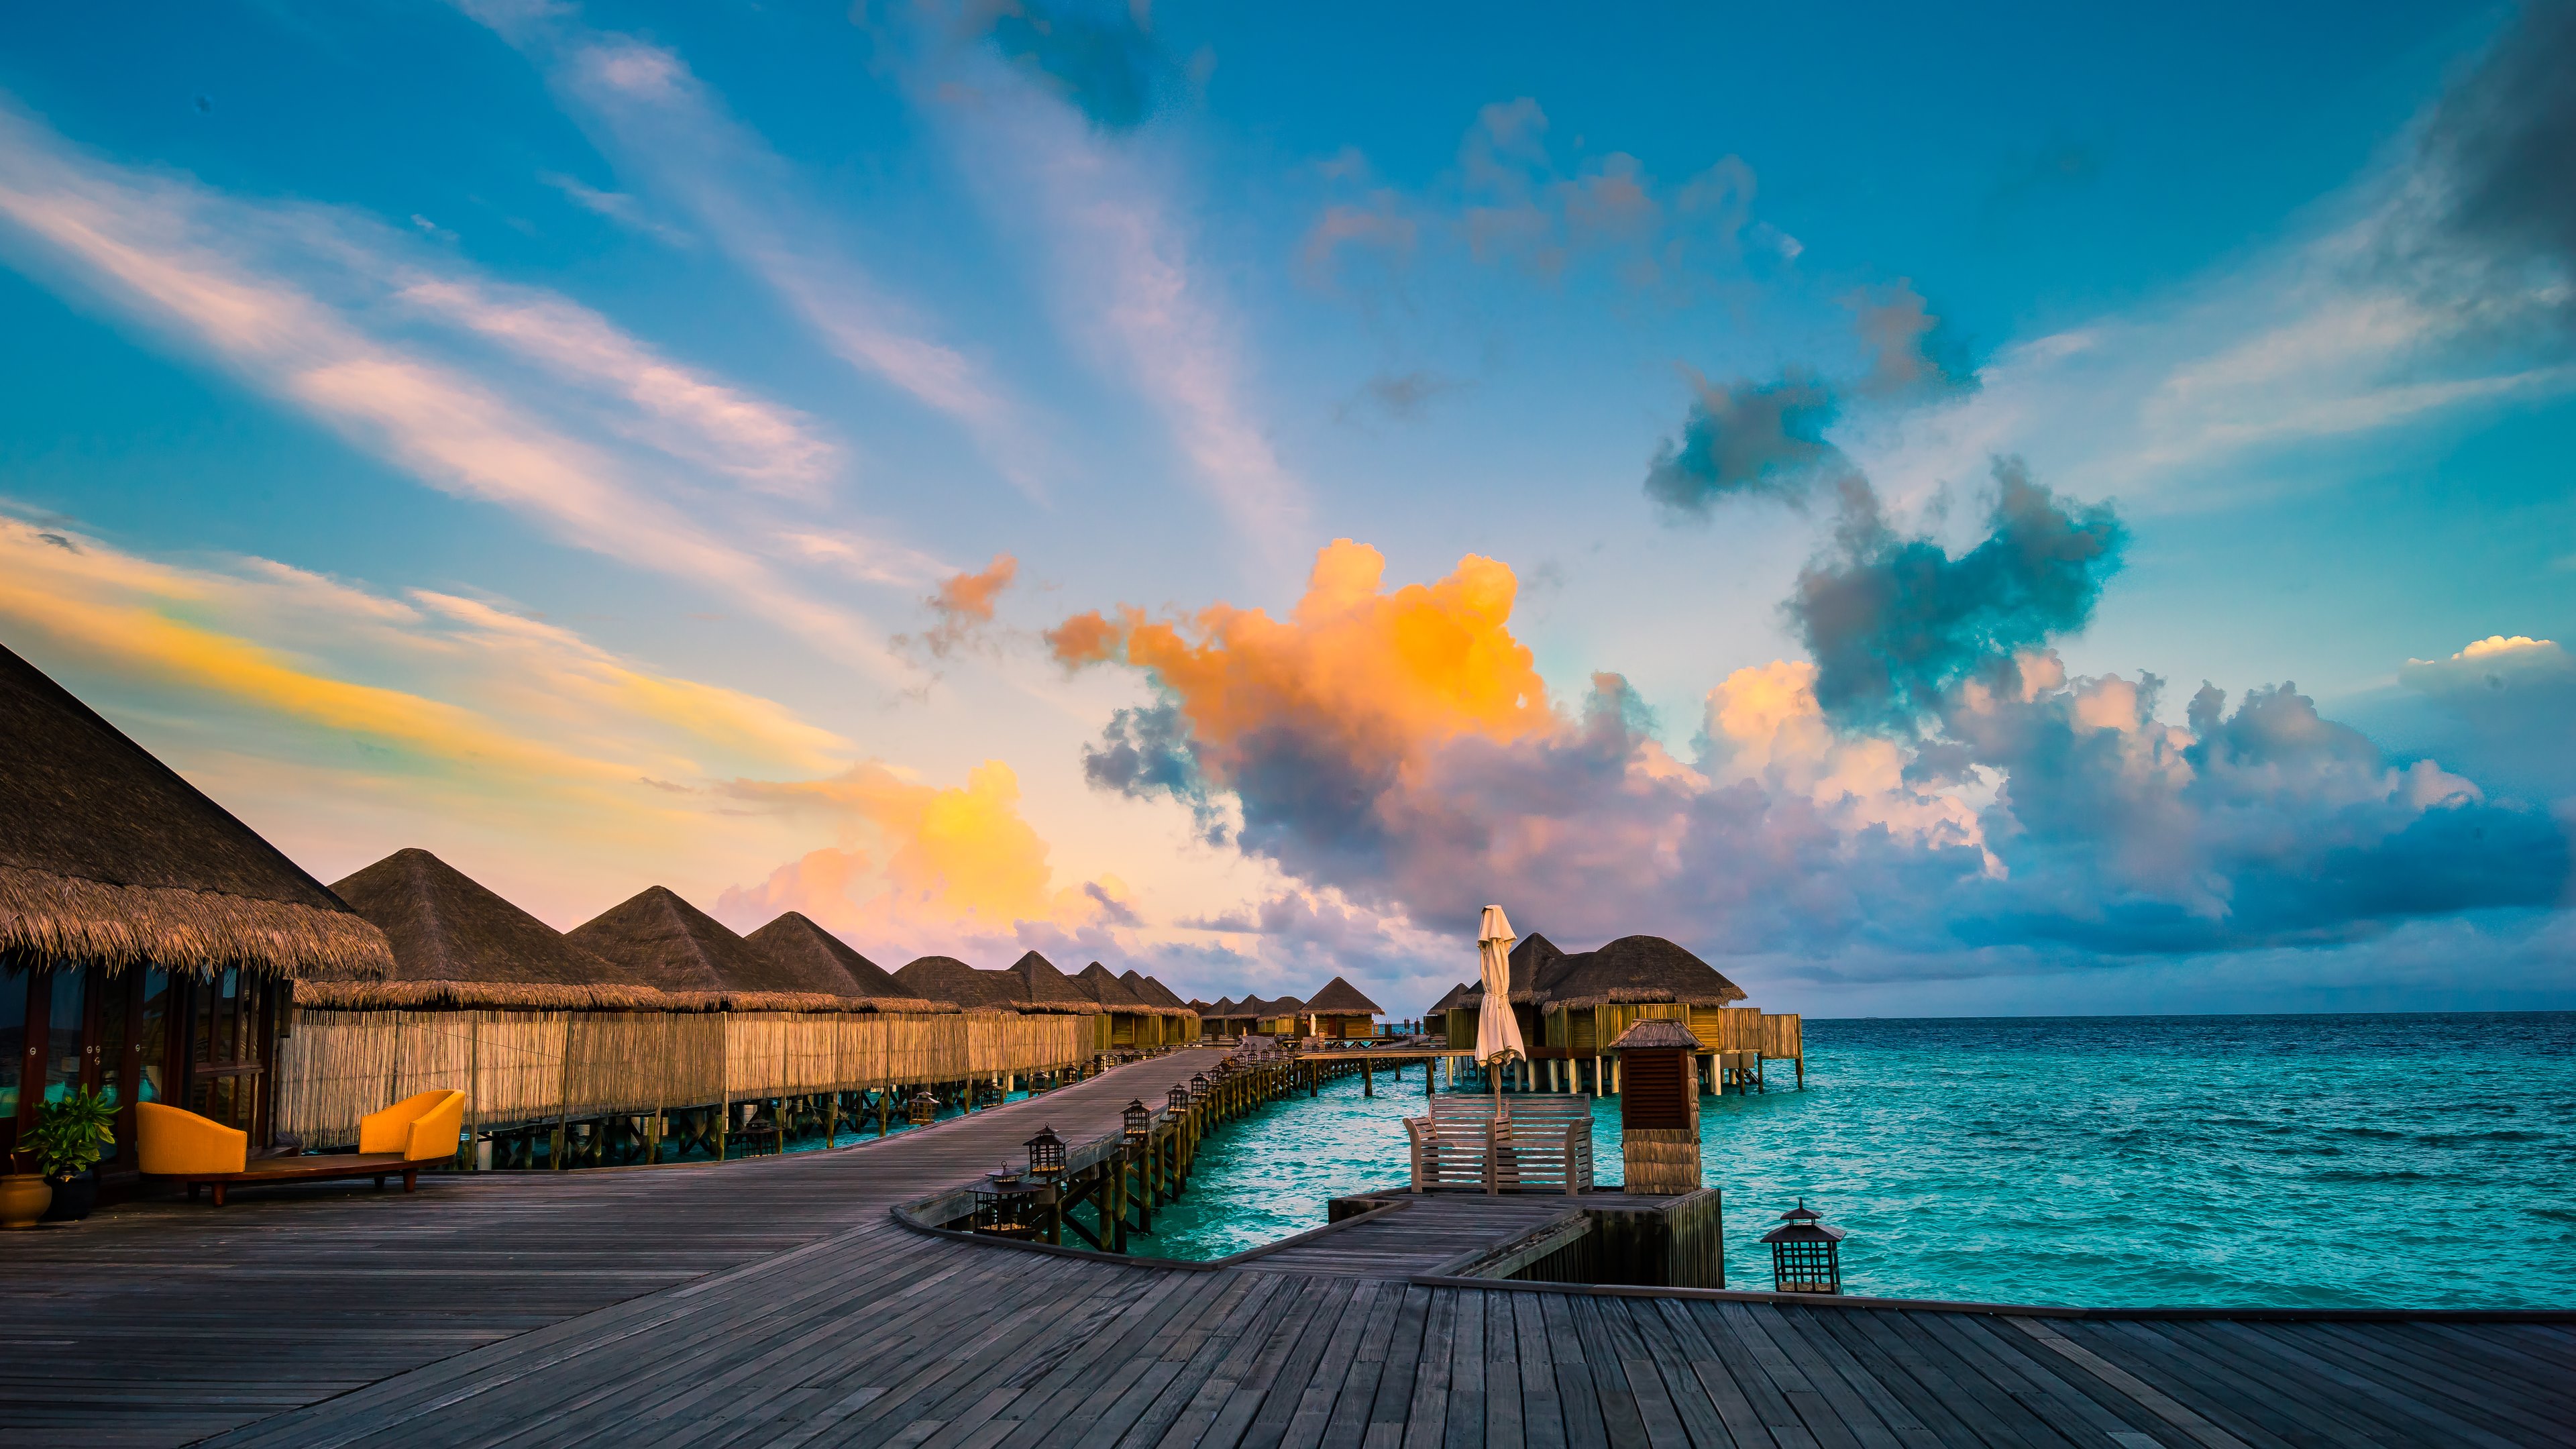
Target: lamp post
(1138, 1120)
(921, 1108)
(1046, 1155)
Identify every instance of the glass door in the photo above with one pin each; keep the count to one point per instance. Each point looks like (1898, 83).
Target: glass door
(228, 1031)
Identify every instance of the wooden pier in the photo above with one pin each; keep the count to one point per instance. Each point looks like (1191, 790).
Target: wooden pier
(780, 1301)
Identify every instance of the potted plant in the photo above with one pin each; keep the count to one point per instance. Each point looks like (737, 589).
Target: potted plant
(68, 1135)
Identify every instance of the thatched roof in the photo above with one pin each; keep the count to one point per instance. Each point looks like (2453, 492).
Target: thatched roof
(1041, 987)
(1656, 1033)
(1341, 998)
(1635, 969)
(107, 857)
(1535, 965)
(1103, 986)
(457, 944)
(1155, 993)
(945, 978)
(1276, 1006)
(1201, 1007)
(665, 941)
(813, 954)
(1459, 997)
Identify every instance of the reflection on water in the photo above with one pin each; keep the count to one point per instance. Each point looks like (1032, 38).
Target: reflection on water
(2289, 1160)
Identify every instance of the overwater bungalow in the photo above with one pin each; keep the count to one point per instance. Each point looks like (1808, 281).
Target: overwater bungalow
(1126, 1021)
(1179, 1022)
(1570, 1007)
(1283, 1016)
(1436, 1020)
(1340, 1011)
(799, 944)
(150, 943)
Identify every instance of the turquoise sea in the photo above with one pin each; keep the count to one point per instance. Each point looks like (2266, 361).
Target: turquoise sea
(2424, 1161)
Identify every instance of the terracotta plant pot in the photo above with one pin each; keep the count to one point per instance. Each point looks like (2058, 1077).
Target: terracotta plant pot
(24, 1196)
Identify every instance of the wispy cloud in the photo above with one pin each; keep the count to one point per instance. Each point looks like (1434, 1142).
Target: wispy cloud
(665, 128)
(314, 307)
(489, 700)
(2437, 282)
(1126, 279)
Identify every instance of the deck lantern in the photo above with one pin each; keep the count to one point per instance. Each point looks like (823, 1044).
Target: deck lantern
(1200, 1086)
(1805, 1253)
(1139, 1120)
(1177, 1099)
(1046, 1155)
(921, 1108)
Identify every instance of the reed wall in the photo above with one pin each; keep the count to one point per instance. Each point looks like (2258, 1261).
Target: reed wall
(523, 1067)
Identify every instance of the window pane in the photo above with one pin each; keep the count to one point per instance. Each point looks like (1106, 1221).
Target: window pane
(63, 1043)
(13, 1040)
(156, 1036)
(113, 991)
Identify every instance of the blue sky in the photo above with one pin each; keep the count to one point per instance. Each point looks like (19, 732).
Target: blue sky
(661, 444)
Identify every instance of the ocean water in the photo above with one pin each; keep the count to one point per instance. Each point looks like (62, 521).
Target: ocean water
(2421, 1161)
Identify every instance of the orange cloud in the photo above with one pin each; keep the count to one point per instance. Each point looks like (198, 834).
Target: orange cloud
(964, 603)
(1385, 673)
(919, 862)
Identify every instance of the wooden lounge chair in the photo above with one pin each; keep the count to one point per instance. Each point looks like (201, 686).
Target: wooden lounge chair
(417, 1132)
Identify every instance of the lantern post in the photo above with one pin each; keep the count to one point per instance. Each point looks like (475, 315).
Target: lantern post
(1806, 1255)
(1658, 1107)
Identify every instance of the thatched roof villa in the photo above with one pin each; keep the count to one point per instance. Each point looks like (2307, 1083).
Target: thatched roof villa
(945, 978)
(811, 954)
(1126, 1020)
(1339, 1010)
(130, 906)
(458, 944)
(1574, 1005)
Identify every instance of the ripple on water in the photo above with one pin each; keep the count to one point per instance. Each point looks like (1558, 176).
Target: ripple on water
(2304, 1161)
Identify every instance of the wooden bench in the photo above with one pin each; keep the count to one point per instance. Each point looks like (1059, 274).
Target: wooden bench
(323, 1167)
(1520, 1144)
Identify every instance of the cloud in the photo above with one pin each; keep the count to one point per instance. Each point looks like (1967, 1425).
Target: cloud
(298, 302)
(663, 126)
(2510, 700)
(616, 206)
(1747, 438)
(920, 867)
(1964, 805)
(1403, 396)
(1508, 203)
(1125, 275)
(2435, 287)
(1911, 352)
(1100, 59)
(1895, 623)
(964, 604)
(2490, 195)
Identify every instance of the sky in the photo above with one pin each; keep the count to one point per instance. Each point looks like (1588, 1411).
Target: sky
(2051, 510)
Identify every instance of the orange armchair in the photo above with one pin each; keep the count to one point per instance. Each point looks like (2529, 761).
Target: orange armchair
(420, 1127)
(170, 1142)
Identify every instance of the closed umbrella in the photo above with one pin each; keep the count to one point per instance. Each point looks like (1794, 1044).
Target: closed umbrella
(1498, 1033)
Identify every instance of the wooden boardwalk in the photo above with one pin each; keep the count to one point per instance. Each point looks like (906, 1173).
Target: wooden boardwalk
(777, 1302)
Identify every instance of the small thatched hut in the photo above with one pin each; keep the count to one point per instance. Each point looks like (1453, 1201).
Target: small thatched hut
(1436, 1020)
(945, 978)
(1339, 1010)
(1126, 1020)
(149, 941)
(1180, 1021)
(806, 953)
(458, 944)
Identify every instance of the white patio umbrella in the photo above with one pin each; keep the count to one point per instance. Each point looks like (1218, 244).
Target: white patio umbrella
(1498, 1033)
